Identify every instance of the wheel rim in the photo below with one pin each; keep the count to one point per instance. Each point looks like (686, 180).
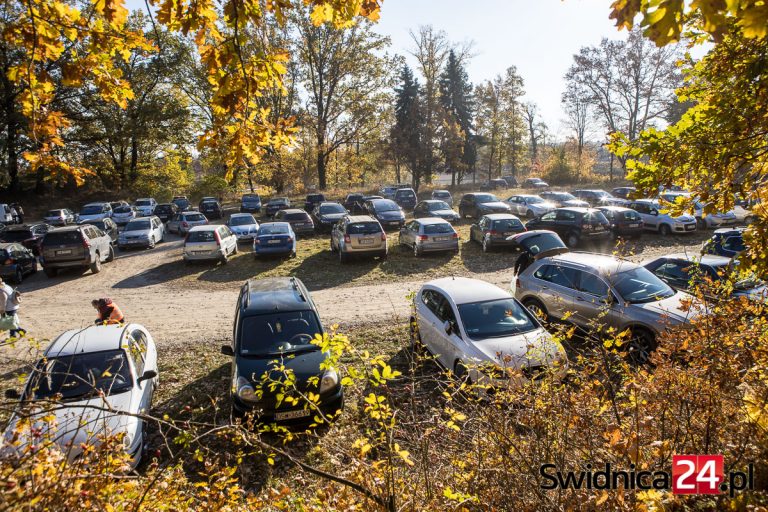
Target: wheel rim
(640, 347)
(573, 240)
(415, 250)
(536, 309)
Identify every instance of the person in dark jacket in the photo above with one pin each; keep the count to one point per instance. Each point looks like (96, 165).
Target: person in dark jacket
(109, 312)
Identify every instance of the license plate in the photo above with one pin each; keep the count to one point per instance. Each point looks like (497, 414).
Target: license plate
(442, 238)
(289, 415)
(366, 241)
(201, 252)
(274, 242)
(690, 227)
(64, 253)
(598, 228)
(634, 225)
(509, 234)
(394, 223)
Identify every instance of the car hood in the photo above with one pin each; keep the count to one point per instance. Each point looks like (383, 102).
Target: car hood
(685, 218)
(331, 217)
(246, 228)
(302, 365)
(535, 348)
(496, 205)
(575, 203)
(93, 216)
(673, 309)
(444, 213)
(390, 215)
(123, 214)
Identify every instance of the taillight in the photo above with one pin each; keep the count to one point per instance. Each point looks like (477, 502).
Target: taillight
(455, 235)
(218, 238)
(290, 239)
(347, 239)
(383, 236)
(256, 241)
(423, 237)
(185, 224)
(86, 243)
(9, 262)
(517, 283)
(493, 232)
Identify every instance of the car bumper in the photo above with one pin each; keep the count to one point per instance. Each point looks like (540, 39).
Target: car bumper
(133, 243)
(203, 256)
(242, 237)
(250, 209)
(67, 264)
(304, 230)
(329, 405)
(280, 249)
(684, 228)
(451, 245)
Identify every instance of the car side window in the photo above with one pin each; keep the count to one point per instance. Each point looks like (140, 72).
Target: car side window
(558, 275)
(484, 223)
(429, 298)
(413, 226)
(444, 309)
(593, 285)
(140, 350)
(674, 270)
(136, 354)
(565, 216)
(734, 243)
(548, 216)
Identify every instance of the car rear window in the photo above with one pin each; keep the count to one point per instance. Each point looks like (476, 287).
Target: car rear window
(434, 229)
(144, 202)
(315, 197)
(201, 236)
(441, 194)
(332, 208)
(92, 210)
(164, 208)
(507, 224)
(404, 194)
(364, 228)
(141, 225)
(273, 230)
(195, 217)
(296, 216)
(53, 213)
(16, 235)
(123, 209)
(62, 238)
(595, 218)
(250, 197)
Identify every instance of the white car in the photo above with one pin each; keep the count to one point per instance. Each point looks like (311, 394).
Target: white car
(478, 330)
(663, 223)
(105, 374)
(712, 220)
(123, 214)
(243, 225)
(562, 199)
(142, 232)
(145, 206)
(209, 242)
(529, 206)
(95, 211)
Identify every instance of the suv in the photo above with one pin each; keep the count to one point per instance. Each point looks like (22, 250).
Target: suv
(575, 225)
(358, 235)
(612, 292)
(511, 181)
(405, 198)
(83, 246)
(28, 235)
(312, 201)
(476, 205)
(165, 211)
(275, 318)
(210, 207)
(182, 203)
(95, 211)
(250, 203)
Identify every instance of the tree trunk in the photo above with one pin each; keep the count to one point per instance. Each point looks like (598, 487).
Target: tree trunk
(610, 174)
(11, 148)
(134, 174)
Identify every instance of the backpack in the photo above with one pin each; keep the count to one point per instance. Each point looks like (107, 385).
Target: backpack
(16, 297)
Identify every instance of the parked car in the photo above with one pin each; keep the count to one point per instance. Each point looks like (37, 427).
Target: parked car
(82, 246)
(535, 183)
(209, 242)
(108, 226)
(387, 212)
(405, 198)
(494, 184)
(534, 245)
(103, 378)
(182, 203)
(276, 318)
(743, 210)
(166, 211)
(276, 204)
(326, 214)
(142, 232)
(624, 192)
(358, 235)
(480, 332)
(29, 235)
(625, 222)
(387, 191)
(274, 238)
(243, 225)
(211, 208)
(124, 214)
(16, 261)
(443, 195)
(6, 217)
(353, 203)
(312, 200)
(597, 197)
(182, 222)
(95, 211)
(429, 234)
(300, 221)
(60, 217)
(476, 205)
(575, 225)
(560, 199)
(613, 292)
(493, 230)
(727, 242)
(118, 204)
(250, 203)
(684, 272)
(712, 220)
(145, 206)
(511, 181)
(435, 208)
(529, 206)
(663, 223)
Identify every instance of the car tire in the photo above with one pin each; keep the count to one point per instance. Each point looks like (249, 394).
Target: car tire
(665, 230)
(462, 214)
(111, 255)
(18, 276)
(486, 245)
(235, 250)
(333, 247)
(151, 243)
(641, 344)
(572, 239)
(537, 308)
(50, 272)
(342, 257)
(96, 265)
(530, 215)
(749, 219)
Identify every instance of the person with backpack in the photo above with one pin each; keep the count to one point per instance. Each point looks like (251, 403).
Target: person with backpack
(11, 299)
(109, 312)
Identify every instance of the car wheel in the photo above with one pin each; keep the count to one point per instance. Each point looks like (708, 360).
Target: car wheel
(529, 214)
(462, 213)
(486, 244)
(19, 276)
(333, 247)
(50, 272)
(111, 255)
(152, 242)
(665, 230)
(461, 372)
(293, 254)
(641, 344)
(537, 308)
(701, 224)
(234, 251)
(749, 219)
(96, 265)
(572, 239)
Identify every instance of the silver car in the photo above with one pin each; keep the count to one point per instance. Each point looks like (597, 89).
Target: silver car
(663, 223)
(60, 217)
(243, 225)
(142, 232)
(597, 291)
(182, 222)
(561, 199)
(358, 235)
(124, 214)
(430, 234)
(145, 206)
(530, 206)
(212, 242)
(480, 331)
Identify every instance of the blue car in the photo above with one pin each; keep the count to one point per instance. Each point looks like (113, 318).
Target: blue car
(727, 242)
(274, 238)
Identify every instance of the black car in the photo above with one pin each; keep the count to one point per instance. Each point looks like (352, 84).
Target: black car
(165, 211)
(624, 192)
(312, 201)
(352, 201)
(300, 221)
(107, 225)
(29, 235)
(595, 197)
(478, 204)
(276, 204)
(625, 222)
(405, 198)
(435, 208)
(16, 261)
(182, 203)
(575, 225)
(494, 230)
(210, 207)
(275, 323)
(250, 203)
(495, 184)
(386, 211)
(326, 214)
(725, 242)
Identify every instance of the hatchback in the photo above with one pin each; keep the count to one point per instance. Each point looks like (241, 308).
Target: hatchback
(204, 243)
(480, 332)
(145, 206)
(529, 206)
(663, 223)
(476, 205)
(250, 203)
(429, 234)
(435, 208)
(387, 212)
(493, 230)
(243, 225)
(276, 324)
(405, 198)
(575, 225)
(16, 261)
(300, 221)
(210, 207)
(443, 195)
(95, 211)
(29, 235)
(624, 192)
(102, 379)
(142, 232)
(60, 217)
(312, 200)
(727, 242)
(182, 222)
(276, 204)
(274, 238)
(625, 222)
(123, 214)
(326, 214)
(83, 246)
(166, 211)
(358, 235)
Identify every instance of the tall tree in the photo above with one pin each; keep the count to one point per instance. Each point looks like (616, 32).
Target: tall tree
(536, 129)
(457, 102)
(407, 132)
(577, 110)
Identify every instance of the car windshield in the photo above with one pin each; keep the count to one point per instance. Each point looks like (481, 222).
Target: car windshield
(640, 285)
(137, 225)
(542, 242)
(495, 319)
(163, 208)
(404, 194)
(244, 220)
(81, 375)
(54, 213)
(563, 196)
(181, 203)
(385, 206)
(486, 198)
(364, 228)
(331, 208)
(123, 209)
(296, 216)
(274, 229)
(201, 236)
(195, 217)
(143, 202)
(434, 229)
(278, 333)
(62, 238)
(441, 194)
(279, 200)
(438, 205)
(91, 210)
(507, 224)
(315, 197)
(251, 198)
(534, 200)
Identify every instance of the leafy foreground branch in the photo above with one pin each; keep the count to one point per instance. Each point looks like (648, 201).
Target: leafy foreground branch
(414, 438)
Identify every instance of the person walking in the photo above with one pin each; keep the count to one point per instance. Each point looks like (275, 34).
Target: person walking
(109, 312)
(19, 213)
(11, 300)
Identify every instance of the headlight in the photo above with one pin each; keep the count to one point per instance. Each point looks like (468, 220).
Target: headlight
(245, 390)
(329, 381)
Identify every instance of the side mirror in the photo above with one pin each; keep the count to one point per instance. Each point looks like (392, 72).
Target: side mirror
(654, 212)
(12, 394)
(149, 374)
(448, 327)
(227, 350)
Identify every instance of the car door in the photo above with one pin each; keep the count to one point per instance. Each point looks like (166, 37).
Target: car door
(592, 299)
(451, 346)
(733, 245)
(555, 286)
(565, 222)
(427, 320)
